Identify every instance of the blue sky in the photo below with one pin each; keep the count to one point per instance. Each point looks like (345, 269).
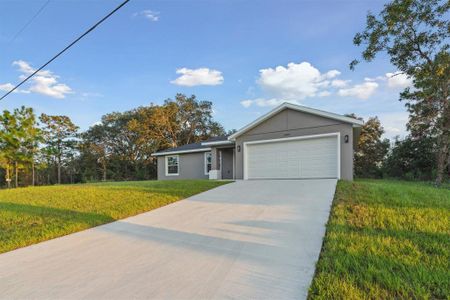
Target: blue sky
(244, 56)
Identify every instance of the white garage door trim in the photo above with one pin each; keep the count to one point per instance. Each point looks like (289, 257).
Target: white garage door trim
(304, 137)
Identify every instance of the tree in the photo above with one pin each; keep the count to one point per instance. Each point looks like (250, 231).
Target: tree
(59, 133)
(29, 137)
(411, 159)
(96, 143)
(415, 34)
(371, 149)
(9, 143)
(19, 136)
(183, 120)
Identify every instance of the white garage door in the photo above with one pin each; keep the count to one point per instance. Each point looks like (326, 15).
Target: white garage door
(292, 159)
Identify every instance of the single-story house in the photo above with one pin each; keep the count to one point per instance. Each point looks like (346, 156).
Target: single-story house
(289, 142)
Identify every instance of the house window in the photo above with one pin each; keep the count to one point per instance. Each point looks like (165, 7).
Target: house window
(172, 165)
(208, 162)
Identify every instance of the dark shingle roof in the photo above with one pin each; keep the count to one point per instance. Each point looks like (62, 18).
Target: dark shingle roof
(194, 146)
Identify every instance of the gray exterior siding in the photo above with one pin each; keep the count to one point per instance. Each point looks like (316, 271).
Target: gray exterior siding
(191, 166)
(290, 123)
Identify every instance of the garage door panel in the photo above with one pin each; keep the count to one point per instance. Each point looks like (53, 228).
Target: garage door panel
(305, 158)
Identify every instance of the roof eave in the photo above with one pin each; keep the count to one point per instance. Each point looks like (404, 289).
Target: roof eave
(217, 143)
(181, 152)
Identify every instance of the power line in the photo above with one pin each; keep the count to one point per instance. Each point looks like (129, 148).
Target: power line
(65, 49)
(29, 21)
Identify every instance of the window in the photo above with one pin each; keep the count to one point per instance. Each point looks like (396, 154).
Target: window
(208, 162)
(172, 165)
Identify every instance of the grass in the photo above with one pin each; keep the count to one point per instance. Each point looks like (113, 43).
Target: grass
(34, 214)
(385, 239)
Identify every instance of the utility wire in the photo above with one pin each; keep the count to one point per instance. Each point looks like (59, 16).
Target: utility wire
(29, 21)
(65, 49)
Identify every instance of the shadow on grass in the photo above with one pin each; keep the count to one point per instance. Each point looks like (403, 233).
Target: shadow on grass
(418, 238)
(53, 212)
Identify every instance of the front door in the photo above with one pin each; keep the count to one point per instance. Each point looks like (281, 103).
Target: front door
(227, 163)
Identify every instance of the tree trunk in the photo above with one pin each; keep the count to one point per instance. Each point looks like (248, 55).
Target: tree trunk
(104, 172)
(33, 179)
(443, 154)
(8, 176)
(16, 179)
(59, 169)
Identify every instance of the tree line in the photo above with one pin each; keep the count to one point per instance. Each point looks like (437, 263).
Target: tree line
(51, 149)
(415, 35)
(410, 158)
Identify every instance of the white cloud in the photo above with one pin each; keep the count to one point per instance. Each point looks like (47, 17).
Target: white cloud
(339, 83)
(378, 78)
(262, 102)
(394, 124)
(49, 86)
(296, 81)
(6, 87)
(398, 80)
(201, 76)
(9, 86)
(44, 82)
(324, 94)
(361, 91)
(148, 14)
(331, 74)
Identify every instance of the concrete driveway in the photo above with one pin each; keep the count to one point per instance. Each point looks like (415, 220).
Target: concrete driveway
(248, 239)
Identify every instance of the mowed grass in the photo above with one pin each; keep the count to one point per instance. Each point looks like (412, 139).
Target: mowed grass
(386, 240)
(35, 214)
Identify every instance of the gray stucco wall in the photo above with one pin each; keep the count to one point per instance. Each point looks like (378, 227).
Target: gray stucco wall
(191, 166)
(290, 123)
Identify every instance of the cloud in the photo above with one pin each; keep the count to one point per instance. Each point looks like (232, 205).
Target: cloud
(394, 124)
(6, 87)
(339, 83)
(148, 14)
(201, 76)
(324, 94)
(44, 82)
(361, 91)
(262, 102)
(296, 81)
(398, 80)
(49, 86)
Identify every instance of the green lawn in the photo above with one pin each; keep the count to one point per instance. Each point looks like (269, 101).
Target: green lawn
(35, 214)
(384, 240)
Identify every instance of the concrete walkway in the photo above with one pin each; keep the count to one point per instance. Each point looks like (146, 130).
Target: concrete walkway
(245, 240)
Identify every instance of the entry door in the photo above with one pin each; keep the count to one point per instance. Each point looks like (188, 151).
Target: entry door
(292, 158)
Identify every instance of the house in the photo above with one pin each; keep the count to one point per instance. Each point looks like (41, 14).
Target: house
(289, 142)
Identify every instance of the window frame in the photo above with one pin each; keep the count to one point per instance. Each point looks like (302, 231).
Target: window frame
(205, 162)
(167, 165)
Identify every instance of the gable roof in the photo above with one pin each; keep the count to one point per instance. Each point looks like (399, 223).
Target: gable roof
(301, 108)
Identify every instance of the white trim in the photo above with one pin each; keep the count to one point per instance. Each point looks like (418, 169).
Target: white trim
(181, 152)
(205, 162)
(304, 137)
(167, 165)
(217, 143)
(354, 122)
(234, 163)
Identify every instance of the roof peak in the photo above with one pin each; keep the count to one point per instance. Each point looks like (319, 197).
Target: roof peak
(297, 107)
